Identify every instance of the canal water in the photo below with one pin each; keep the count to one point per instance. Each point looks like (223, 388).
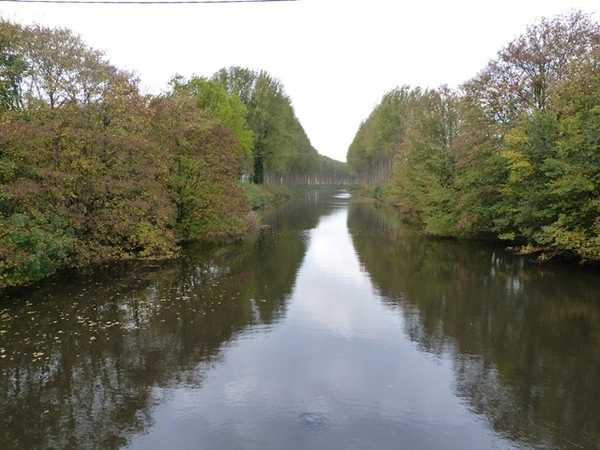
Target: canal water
(336, 328)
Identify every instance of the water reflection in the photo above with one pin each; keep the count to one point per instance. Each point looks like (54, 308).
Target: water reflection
(524, 340)
(336, 373)
(85, 358)
(336, 328)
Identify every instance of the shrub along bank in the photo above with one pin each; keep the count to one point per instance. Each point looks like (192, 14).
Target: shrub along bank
(513, 154)
(93, 170)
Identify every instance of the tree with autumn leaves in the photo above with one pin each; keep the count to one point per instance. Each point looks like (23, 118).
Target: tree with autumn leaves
(202, 131)
(93, 170)
(80, 178)
(513, 154)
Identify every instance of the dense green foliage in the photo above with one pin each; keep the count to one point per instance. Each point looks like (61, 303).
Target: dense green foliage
(93, 170)
(514, 154)
(281, 151)
(81, 180)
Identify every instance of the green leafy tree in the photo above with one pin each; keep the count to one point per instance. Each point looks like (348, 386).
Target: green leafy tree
(513, 155)
(203, 165)
(424, 176)
(379, 138)
(526, 203)
(535, 93)
(554, 171)
(218, 103)
(522, 77)
(281, 150)
(12, 67)
(480, 171)
(79, 177)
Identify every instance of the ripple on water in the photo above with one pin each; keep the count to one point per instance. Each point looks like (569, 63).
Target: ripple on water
(313, 421)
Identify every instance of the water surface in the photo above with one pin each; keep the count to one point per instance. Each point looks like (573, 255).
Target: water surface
(338, 328)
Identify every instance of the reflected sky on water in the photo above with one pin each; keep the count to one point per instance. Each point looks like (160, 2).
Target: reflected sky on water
(337, 328)
(337, 372)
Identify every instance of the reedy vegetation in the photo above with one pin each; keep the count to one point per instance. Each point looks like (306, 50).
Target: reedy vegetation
(93, 170)
(513, 154)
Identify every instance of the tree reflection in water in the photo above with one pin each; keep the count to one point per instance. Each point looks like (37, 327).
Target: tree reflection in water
(85, 357)
(524, 338)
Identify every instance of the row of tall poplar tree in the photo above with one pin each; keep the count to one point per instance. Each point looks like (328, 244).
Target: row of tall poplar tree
(512, 154)
(92, 169)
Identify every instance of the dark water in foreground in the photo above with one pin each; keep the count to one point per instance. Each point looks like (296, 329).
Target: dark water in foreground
(337, 329)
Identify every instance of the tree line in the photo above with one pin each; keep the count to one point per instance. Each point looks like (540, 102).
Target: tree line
(512, 154)
(92, 169)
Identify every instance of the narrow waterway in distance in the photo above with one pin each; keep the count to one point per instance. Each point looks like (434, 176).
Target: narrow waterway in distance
(337, 328)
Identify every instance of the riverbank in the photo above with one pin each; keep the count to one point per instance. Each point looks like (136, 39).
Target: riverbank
(262, 195)
(535, 253)
(32, 260)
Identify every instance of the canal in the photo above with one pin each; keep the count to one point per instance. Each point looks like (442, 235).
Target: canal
(337, 327)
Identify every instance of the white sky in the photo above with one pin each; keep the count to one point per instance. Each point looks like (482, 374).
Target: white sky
(335, 58)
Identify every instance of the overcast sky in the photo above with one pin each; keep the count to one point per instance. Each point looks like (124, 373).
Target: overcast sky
(335, 58)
